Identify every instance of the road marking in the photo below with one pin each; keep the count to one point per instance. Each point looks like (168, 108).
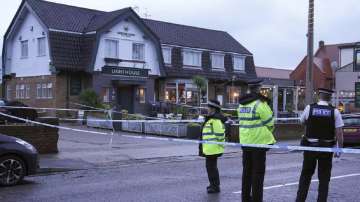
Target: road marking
(297, 183)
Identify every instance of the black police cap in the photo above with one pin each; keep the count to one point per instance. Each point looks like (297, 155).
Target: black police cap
(325, 91)
(254, 82)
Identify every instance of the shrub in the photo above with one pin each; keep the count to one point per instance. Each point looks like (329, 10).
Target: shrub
(90, 98)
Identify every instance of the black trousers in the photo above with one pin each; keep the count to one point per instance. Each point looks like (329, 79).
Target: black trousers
(324, 161)
(212, 170)
(254, 160)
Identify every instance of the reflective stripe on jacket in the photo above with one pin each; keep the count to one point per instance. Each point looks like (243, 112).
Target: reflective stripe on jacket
(213, 130)
(256, 123)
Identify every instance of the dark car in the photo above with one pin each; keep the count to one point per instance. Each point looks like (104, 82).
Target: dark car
(351, 129)
(17, 160)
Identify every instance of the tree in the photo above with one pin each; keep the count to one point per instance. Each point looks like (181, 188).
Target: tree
(90, 98)
(201, 84)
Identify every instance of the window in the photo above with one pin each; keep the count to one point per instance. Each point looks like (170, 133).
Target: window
(239, 63)
(38, 91)
(111, 48)
(8, 92)
(192, 58)
(167, 55)
(27, 91)
(20, 91)
(141, 94)
(49, 90)
(44, 91)
(24, 49)
(138, 52)
(75, 86)
(106, 95)
(233, 95)
(217, 61)
(41, 46)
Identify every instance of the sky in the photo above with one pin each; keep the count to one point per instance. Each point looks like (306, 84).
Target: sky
(273, 30)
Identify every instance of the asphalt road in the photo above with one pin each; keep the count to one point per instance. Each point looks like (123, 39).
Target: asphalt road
(181, 179)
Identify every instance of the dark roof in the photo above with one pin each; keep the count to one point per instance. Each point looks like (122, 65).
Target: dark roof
(188, 36)
(77, 19)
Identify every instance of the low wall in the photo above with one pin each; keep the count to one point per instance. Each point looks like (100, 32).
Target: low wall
(43, 138)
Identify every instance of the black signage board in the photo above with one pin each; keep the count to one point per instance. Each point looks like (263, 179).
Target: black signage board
(357, 94)
(126, 71)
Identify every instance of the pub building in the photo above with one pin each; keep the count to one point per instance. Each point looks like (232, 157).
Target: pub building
(52, 52)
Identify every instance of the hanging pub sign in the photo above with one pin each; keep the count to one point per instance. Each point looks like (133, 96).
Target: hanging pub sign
(357, 94)
(357, 57)
(126, 71)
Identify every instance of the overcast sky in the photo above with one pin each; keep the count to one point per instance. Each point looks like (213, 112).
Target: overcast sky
(273, 30)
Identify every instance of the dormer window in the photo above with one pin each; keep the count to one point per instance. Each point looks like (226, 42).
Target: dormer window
(111, 48)
(239, 63)
(167, 55)
(192, 58)
(217, 60)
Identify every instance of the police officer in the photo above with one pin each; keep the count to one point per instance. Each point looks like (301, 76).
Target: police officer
(323, 129)
(256, 125)
(213, 130)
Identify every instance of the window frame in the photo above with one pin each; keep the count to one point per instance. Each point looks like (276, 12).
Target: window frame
(43, 47)
(187, 52)
(108, 50)
(237, 68)
(141, 53)
(169, 57)
(213, 65)
(22, 50)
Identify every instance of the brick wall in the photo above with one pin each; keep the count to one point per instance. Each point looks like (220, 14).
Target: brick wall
(44, 139)
(176, 59)
(206, 61)
(228, 63)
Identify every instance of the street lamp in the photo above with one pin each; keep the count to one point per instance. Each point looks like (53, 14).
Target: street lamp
(309, 97)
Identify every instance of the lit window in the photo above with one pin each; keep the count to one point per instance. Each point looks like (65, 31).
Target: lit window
(41, 46)
(239, 63)
(141, 95)
(167, 55)
(217, 61)
(111, 48)
(106, 95)
(233, 95)
(192, 58)
(24, 49)
(138, 52)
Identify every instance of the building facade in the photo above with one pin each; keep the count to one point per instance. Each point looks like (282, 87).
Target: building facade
(52, 52)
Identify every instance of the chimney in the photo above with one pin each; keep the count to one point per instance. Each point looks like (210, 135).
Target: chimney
(321, 44)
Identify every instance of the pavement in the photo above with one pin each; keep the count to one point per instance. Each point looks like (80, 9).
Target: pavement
(80, 150)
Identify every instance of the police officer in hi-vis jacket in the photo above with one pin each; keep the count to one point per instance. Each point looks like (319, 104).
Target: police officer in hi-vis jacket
(256, 125)
(213, 130)
(323, 129)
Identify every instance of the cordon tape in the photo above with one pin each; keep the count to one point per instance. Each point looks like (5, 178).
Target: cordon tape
(276, 146)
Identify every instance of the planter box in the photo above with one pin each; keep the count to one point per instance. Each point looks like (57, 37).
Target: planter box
(132, 126)
(166, 129)
(91, 121)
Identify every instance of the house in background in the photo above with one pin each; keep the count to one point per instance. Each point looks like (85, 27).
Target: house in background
(280, 89)
(52, 52)
(326, 59)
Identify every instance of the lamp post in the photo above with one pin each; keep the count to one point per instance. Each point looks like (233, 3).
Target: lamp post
(309, 97)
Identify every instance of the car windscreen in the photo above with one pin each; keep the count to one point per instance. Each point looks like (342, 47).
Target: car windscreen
(352, 121)
(2, 103)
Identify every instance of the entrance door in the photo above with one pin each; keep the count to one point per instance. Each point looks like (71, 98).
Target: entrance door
(125, 98)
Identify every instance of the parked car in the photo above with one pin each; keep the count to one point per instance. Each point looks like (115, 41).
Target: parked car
(30, 114)
(17, 160)
(351, 129)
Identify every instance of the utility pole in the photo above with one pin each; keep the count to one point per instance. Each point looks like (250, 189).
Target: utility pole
(309, 96)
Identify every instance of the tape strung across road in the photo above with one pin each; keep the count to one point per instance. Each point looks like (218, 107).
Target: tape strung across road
(284, 147)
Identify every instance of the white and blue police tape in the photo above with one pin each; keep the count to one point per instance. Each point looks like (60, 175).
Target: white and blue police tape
(283, 147)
